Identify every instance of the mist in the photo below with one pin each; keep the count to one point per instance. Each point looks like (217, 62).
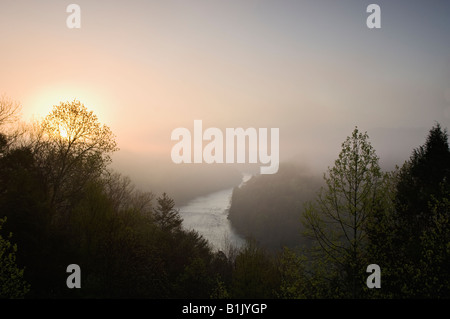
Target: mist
(122, 80)
(182, 181)
(187, 181)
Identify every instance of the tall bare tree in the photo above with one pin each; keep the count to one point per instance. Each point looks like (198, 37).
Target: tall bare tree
(9, 116)
(9, 110)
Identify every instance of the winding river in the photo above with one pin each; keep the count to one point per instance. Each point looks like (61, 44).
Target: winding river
(208, 215)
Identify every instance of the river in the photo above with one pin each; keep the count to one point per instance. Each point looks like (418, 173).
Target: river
(208, 215)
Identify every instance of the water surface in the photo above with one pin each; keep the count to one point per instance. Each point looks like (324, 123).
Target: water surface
(208, 215)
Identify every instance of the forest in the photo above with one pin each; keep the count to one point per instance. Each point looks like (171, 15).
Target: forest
(268, 208)
(62, 204)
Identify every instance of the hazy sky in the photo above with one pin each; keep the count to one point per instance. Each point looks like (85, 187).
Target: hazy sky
(310, 68)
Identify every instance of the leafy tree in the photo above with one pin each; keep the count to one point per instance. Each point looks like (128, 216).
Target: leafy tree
(382, 244)
(219, 290)
(115, 249)
(434, 264)
(195, 281)
(424, 177)
(417, 231)
(12, 283)
(255, 274)
(294, 279)
(24, 201)
(124, 195)
(337, 221)
(73, 148)
(189, 263)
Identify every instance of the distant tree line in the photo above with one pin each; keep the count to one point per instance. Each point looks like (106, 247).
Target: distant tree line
(61, 204)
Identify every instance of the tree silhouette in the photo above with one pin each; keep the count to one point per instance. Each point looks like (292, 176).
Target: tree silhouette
(165, 215)
(424, 177)
(75, 148)
(9, 110)
(420, 228)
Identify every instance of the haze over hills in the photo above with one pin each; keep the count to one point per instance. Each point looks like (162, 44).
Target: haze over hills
(159, 174)
(182, 182)
(136, 75)
(268, 208)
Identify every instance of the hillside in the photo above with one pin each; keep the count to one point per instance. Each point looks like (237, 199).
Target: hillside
(267, 208)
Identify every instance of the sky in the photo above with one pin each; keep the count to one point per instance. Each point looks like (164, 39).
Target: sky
(313, 69)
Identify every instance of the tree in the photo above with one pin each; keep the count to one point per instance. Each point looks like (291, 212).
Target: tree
(382, 244)
(3, 144)
(255, 274)
(337, 221)
(424, 177)
(24, 201)
(420, 226)
(165, 215)
(110, 245)
(9, 111)
(75, 148)
(9, 115)
(434, 263)
(12, 284)
(294, 281)
(124, 195)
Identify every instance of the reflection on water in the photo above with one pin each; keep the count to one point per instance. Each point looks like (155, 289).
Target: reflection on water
(208, 216)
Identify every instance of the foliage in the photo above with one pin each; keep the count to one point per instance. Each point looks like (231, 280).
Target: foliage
(12, 283)
(73, 149)
(337, 221)
(65, 206)
(255, 274)
(411, 241)
(220, 290)
(294, 280)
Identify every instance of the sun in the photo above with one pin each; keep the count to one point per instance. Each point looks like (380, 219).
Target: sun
(63, 133)
(40, 103)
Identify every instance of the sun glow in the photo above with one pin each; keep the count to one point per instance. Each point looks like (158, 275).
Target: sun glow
(40, 103)
(63, 133)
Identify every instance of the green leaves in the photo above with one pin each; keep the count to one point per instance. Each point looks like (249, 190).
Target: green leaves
(337, 221)
(409, 236)
(12, 284)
